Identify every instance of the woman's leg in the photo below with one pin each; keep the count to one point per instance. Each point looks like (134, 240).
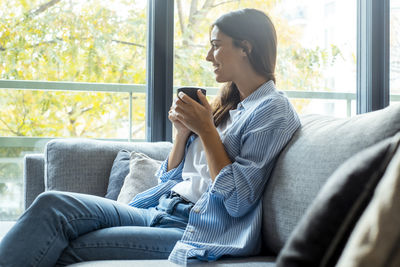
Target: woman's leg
(169, 220)
(55, 218)
(122, 243)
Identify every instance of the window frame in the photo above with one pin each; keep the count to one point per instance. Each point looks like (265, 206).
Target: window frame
(159, 72)
(373, 50)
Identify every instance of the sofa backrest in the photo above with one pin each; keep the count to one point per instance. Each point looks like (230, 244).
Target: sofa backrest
(84, 165)
(313, 154)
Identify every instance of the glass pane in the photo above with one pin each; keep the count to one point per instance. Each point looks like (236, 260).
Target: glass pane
(11, 163)
(394, 51)
(33, 113)
(85, 41)
(97, 41)
(316, 48)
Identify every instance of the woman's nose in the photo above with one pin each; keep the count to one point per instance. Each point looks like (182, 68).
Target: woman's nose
(209, 56)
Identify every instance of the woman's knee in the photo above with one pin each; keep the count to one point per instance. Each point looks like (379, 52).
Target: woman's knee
(49, 199)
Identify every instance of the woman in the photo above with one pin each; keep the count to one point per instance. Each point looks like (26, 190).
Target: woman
(207, 203)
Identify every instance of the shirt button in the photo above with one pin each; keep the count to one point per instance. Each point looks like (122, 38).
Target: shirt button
(196, 210)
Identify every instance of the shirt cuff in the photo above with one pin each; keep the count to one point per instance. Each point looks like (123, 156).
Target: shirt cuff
(183, 251)
(164, 175)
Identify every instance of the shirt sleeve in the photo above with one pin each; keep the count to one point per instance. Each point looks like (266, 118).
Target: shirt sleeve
(241, 183)
(173, 174)
(176, 173)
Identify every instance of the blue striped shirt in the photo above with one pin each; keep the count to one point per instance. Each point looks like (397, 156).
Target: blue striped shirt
(226, 220)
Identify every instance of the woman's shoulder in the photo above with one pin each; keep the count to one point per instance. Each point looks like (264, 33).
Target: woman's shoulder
(273, 102)
(273, 111)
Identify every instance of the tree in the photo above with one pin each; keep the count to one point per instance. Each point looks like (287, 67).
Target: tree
(297, 68)
(104, 41)
(69, 41)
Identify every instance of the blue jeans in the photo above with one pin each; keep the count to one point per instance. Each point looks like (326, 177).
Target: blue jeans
(62, 228)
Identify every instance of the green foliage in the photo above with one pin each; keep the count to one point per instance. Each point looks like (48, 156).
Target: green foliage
(104, 41)
(298, 68)
(84, 41)
(92, 41)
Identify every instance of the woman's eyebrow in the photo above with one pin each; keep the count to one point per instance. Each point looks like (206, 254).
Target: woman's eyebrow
(215, 40)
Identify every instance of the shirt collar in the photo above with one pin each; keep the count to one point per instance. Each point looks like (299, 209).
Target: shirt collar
(257, 96)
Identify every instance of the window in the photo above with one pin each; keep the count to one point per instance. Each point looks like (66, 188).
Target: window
(68, 69)
(78, 68)
(316, 63)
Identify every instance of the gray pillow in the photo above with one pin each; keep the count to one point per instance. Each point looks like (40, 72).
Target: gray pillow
(321, 234)
(141, 176)
(119, 171)
(375, 240)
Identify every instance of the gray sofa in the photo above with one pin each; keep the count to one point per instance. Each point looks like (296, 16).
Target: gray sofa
(314, 153)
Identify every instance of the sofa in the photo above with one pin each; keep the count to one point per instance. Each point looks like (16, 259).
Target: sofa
(315, 152)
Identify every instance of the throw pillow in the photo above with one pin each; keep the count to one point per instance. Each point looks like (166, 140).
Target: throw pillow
(321, 234)
(375, 240)
(142, 170)
(119, 171)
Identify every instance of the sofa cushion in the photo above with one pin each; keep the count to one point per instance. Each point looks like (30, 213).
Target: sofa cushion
(223, 262)
(119, 171)
(375, 240)
(141, 176)
(314, 153)
(321, 234)
(84, 165)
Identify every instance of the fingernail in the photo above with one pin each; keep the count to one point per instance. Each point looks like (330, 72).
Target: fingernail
(181, 94)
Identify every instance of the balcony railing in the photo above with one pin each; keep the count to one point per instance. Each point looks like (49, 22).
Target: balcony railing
(36, 144)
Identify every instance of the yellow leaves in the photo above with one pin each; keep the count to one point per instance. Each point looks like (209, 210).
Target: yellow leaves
(73, 43)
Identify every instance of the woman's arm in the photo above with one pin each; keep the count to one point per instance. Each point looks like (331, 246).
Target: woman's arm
(182, 134)
(178, 150)
(198, 118)
(216, 156)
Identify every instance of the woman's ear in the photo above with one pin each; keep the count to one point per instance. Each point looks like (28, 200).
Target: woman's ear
(246, 46)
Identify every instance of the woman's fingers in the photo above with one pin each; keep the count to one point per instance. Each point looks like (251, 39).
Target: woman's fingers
(188, 112)
(203, 99)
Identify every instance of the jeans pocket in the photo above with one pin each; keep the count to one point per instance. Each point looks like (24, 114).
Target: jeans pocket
(182, 210)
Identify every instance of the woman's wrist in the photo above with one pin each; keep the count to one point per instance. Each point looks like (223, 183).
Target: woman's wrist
(208, 130)
(182, 135)
(178, 149)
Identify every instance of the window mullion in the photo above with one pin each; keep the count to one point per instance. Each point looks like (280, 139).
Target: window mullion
(159, 69)
(372, 55)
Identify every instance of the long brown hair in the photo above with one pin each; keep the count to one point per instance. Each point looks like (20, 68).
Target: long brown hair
(255, 27)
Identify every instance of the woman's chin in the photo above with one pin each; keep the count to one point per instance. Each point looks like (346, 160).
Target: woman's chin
(220, 79)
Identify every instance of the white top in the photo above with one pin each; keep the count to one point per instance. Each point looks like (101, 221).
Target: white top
(195, 173)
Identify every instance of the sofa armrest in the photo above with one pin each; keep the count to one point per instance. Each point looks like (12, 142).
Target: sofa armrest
(33, 177)
(84, 165)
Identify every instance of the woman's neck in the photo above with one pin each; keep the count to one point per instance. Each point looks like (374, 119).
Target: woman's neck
(249, 84)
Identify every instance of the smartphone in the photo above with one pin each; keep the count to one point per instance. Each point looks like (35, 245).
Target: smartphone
(192, 92)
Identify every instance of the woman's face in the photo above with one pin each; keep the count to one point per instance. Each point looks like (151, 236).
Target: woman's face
(226, 58)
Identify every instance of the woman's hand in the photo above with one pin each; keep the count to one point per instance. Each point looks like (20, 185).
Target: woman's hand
(187, 113)
(198, 118)
(181, 129)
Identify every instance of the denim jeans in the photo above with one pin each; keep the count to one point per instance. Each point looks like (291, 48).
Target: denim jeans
(61, 228)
